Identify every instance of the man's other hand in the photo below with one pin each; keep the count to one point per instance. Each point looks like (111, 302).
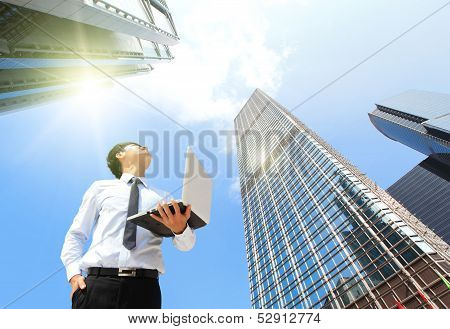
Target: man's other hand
(77, 281)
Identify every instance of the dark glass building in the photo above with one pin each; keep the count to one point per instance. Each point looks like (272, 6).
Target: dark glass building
(50, 49)
(421, 121)
(320, 234)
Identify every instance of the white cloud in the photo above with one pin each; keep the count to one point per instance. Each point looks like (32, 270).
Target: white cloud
(225, 52)
(286, 2)
(222, 57)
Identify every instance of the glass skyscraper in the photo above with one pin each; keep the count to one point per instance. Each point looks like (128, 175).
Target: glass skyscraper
(421, 121)
(320, 234)
(51, 48)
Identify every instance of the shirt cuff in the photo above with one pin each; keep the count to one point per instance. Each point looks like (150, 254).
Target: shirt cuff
(187, 232)
(72, 269)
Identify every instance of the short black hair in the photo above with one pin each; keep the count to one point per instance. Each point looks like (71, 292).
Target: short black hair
(114, 163)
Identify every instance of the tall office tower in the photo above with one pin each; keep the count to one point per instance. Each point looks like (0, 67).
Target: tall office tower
(51, 48)
(318, 233)
(421, 120)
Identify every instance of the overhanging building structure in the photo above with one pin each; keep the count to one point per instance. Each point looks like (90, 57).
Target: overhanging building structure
(50, 48)
(320, 234)
(421, 121)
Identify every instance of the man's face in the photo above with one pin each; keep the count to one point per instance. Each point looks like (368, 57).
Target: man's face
(136, 154)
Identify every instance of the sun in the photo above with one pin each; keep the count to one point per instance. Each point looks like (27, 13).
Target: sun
(92, 94)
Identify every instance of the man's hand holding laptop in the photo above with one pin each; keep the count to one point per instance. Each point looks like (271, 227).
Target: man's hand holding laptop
(177, 221)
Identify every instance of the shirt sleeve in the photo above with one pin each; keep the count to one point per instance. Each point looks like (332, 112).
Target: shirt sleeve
(79, 232)
(184, 241)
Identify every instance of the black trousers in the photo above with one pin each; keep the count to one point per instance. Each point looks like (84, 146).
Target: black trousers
(118, 292)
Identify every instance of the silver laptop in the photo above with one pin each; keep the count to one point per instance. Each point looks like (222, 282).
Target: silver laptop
(197, 187)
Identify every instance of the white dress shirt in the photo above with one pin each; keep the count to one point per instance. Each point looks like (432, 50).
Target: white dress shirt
(103, 211)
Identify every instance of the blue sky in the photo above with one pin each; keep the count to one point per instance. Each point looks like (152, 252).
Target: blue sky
(290, 49)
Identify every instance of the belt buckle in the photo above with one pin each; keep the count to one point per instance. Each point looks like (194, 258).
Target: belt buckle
(127, 271)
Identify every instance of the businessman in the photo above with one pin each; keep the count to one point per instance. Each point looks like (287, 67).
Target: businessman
(124, 261)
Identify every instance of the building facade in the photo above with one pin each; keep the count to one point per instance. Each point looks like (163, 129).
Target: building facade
(318, 233)
(50, 49)
(421, 121)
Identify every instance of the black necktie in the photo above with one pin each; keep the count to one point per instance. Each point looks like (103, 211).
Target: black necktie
(129, 236)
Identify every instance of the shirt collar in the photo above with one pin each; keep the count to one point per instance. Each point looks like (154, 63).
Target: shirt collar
(127, 176)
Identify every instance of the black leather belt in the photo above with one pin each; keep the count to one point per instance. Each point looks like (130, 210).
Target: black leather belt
(124, 271)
